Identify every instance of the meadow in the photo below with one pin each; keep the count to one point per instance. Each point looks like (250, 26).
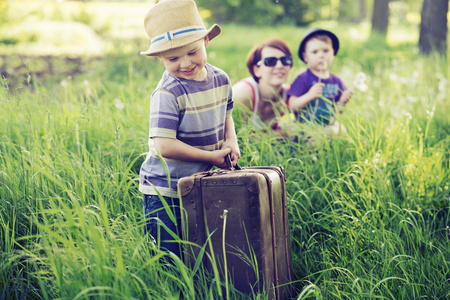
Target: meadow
(368, 215)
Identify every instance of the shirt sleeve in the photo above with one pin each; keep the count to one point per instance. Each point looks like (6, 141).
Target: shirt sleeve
(298, 87)
(230, 102)
(164, 114)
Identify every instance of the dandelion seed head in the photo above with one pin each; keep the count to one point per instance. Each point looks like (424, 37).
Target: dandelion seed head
(360, 76)
(86, 83)
(393, 77)
(323, 65)
(119, 104)
(442, 84)
(64, 83)
(411, 99)
(363, 87)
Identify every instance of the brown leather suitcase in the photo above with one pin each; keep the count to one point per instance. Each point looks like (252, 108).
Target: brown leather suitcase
(256, 227)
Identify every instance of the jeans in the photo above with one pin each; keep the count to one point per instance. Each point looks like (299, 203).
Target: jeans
(155, 214)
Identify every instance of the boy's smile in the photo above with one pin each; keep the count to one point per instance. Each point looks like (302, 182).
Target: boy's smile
(187, 62)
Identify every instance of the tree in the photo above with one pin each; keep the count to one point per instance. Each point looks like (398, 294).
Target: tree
(380, 17)
(433, 27)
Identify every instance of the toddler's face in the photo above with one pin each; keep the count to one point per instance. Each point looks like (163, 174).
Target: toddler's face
(187, 62)
(318, 54)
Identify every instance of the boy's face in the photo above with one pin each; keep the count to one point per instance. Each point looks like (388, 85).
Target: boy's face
(318, 54)
(187, 62)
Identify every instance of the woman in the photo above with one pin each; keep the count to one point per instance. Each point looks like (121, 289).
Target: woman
(265, 92)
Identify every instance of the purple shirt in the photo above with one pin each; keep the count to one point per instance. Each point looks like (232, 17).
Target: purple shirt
(318, 110)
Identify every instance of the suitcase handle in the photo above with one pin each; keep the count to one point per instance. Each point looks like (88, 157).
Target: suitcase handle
(229, 164)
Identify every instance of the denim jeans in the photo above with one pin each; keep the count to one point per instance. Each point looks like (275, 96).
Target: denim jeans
(155, 213)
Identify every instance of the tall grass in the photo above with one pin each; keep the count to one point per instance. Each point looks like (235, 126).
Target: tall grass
(369, 215)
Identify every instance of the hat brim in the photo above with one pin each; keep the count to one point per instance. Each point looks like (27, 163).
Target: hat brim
(315, 31)
(155, 50)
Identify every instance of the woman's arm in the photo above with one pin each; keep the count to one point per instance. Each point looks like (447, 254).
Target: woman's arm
(243, 95)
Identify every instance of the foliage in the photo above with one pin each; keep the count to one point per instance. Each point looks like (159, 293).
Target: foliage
(242, 11)
(369, 215)
(265, 12)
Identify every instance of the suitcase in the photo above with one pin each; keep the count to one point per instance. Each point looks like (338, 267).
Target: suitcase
(256, 227)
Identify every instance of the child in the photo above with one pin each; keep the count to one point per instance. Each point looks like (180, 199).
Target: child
(314, 92)
(191, 128)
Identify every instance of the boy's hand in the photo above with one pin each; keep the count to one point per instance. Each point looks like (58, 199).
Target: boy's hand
(217, 157)
(316, 90)
(235, 152)
(345, 97)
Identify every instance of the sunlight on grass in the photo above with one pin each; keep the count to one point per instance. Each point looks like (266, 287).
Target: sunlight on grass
(368, 215)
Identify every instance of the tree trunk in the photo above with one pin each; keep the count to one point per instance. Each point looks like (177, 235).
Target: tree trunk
(433, 27)
(380, 16)
(362, 10)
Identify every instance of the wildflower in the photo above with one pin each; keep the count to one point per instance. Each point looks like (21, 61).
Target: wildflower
(119, 104)
(411, 99)
(393, 77)
(360, 82)
(86, 83)
(442, 84)
(64, 83)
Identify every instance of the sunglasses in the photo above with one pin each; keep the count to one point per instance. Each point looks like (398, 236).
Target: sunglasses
(272, 61)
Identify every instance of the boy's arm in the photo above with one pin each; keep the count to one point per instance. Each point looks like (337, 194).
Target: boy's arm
(300, 102)
(231, 141)
(176, 149)
(345, 97)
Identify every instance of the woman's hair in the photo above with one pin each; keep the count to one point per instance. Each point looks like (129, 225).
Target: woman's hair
(255, 53)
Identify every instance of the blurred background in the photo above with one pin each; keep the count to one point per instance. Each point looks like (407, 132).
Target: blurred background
(60, 38)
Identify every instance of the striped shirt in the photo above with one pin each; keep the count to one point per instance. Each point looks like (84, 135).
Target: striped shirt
(193, 112)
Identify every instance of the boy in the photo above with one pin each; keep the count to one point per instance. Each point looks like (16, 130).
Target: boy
(191, 128)
(314, 92)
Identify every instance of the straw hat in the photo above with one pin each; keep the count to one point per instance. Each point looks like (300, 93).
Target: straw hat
(175, 23)
(314, 31)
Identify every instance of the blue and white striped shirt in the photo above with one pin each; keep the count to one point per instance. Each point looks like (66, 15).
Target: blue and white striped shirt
(193, 112)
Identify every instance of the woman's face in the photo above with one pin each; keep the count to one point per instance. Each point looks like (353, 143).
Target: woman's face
(275, 75)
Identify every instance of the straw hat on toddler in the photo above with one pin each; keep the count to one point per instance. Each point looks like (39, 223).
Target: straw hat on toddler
(175, 23)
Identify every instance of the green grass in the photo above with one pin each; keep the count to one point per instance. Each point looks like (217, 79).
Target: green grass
(369, 215)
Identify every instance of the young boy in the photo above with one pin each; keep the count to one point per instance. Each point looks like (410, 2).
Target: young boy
(191, 128)
(314, 92)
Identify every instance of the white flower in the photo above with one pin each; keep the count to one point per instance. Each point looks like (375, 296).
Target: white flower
(360, 76)
(360, 82)
(442, 84)
(393, 77)
(119, 104)
(64, 83)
